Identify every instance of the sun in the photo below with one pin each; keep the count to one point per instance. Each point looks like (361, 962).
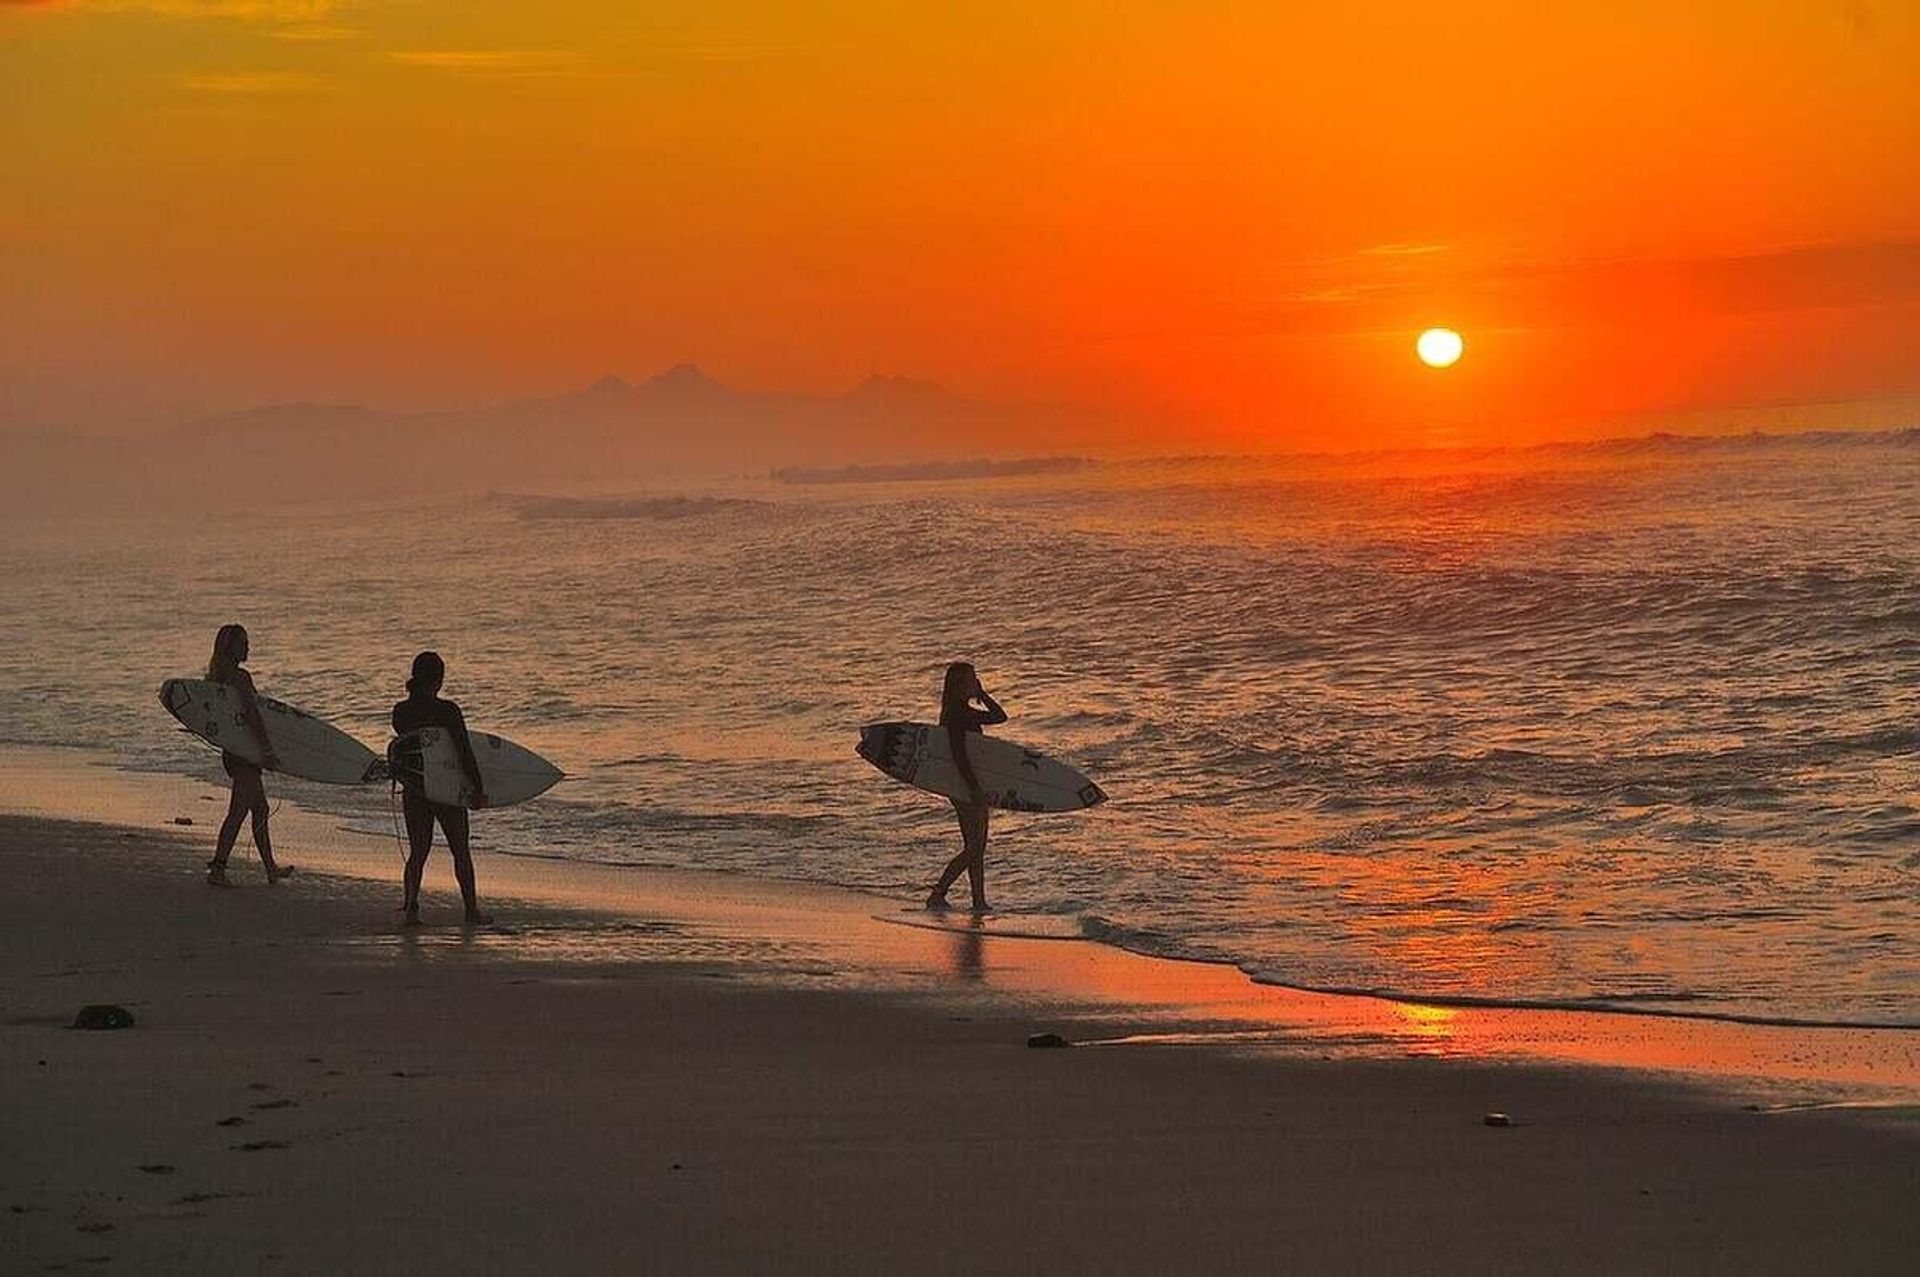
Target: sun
(1440, 347)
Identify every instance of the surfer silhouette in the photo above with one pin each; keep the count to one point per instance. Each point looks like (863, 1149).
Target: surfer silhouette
(424, 708)
(959, 716)
(249, 797)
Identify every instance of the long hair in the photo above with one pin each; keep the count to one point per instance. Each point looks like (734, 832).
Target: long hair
(224, 662)
(956, 690)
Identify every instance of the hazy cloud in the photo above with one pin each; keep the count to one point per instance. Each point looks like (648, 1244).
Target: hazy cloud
(252, 82)
(494, 62)
(248, 10)
(317, 33)
(1404, 250)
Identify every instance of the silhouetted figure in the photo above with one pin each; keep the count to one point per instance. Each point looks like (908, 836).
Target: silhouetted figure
(959, 717)
(249, 789)
(424, 708)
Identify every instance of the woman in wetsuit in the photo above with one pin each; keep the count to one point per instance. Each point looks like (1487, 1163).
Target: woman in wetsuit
(249, 789)
(424, 708)
(959, 717)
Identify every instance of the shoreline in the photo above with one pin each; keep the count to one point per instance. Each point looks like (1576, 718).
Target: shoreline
(1120, 994)
(702, 1084)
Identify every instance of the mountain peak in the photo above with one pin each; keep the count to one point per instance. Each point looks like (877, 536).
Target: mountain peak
(611, 384)
(683, 379)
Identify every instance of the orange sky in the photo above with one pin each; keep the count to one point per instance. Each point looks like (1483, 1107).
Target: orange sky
(1235, 215)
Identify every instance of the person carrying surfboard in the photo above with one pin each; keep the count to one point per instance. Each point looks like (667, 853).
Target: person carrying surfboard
(424, 708)
(226, 666)
(959, 716)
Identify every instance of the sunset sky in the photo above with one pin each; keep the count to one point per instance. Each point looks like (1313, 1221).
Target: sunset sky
(1229, 219)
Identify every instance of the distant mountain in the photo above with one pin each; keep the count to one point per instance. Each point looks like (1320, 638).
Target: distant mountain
(611, 432)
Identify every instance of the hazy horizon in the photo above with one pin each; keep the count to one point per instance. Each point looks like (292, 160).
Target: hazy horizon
(1222, 228)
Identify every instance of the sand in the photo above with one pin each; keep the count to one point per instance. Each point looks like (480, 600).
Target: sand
(310, 1089)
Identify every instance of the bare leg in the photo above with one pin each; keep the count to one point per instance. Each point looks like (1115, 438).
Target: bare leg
(248, 798)
(262, 839)
(454, 821)
(973, 828)
(937, 898)
(419, 842)
(237, 807)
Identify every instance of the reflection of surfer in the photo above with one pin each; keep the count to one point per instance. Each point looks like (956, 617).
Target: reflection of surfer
(249, 789)
(424, 708)
(959, 717)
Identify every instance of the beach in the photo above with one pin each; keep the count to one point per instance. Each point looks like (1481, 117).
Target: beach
(678, 1075)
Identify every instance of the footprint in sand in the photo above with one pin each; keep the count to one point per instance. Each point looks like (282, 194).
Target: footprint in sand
(194, 1199)
(231, 1121)
(277, 1104)
(158, 1168)
(260, 1146)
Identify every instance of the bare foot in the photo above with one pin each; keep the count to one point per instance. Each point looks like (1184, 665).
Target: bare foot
(409, 917)
(276, 872)
(937, 900)
(477, 919)
(217, 876)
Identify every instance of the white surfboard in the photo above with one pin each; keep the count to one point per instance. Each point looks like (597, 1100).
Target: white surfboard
(429, 760)
(1013, 777)
(308, 747)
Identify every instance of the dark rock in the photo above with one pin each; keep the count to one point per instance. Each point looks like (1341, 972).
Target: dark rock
(158, 1168)
(183, 820)
(103, 1016)
(1047, 1041)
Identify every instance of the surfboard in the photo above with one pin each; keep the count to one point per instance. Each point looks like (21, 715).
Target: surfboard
(1012, 926)
(428, 759)
(308, 747)
(1014, 777)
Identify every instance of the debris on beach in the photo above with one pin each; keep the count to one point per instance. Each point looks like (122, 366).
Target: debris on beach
(1496, 1119)
(1046, 1041)
(103, 1016)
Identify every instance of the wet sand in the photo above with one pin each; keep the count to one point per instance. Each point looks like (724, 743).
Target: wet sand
(690, 1081)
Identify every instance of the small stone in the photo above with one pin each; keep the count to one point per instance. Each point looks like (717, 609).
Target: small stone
(231, 1121)
(103, 1016)
(1047, 1041)
(183, 820)
(158, 1168)
(1497, 1119)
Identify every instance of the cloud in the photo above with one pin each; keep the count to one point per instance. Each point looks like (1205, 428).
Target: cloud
(253, 82)
(493, 62)
(317, 33)
(1349, 296)
(1404, 250)
(244, 10)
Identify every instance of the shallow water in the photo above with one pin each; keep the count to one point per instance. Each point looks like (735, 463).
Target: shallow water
(1629, 726)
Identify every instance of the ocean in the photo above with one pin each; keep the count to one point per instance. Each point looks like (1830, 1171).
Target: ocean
(1625, 725)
